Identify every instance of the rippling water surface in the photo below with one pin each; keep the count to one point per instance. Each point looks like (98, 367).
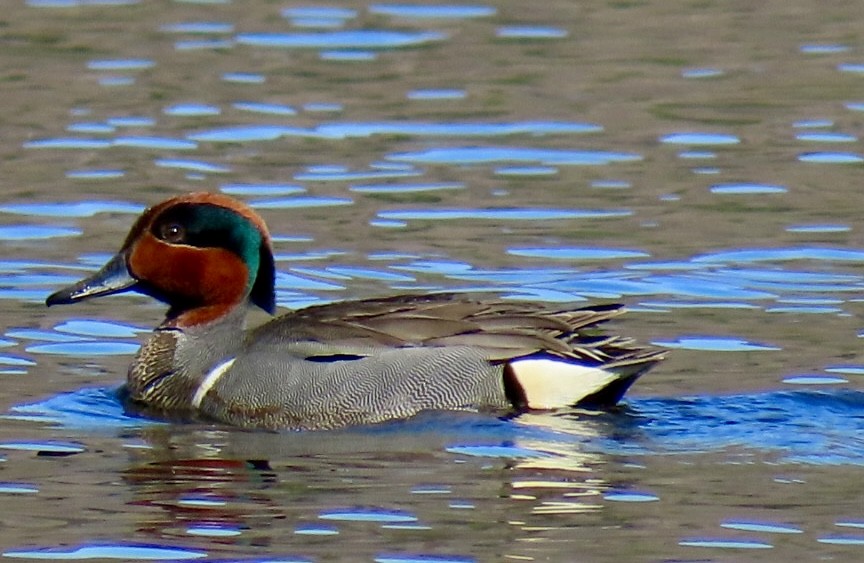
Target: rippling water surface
(699, 163)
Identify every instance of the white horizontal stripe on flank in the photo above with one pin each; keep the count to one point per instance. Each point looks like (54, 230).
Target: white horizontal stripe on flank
(210, 380)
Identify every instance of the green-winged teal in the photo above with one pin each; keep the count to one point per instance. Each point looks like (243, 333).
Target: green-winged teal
(208, 257)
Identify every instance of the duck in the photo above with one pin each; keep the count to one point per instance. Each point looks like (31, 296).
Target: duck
(209, 258)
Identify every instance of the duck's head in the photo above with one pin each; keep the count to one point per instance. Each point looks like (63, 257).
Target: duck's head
(203, 254)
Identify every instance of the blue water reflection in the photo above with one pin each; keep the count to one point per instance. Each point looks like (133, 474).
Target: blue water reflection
(111, 81)
(358, 514)
(35, 232)
(244, 77)
(725, 543)
(68, 143)
(349, 130)
(193, 165)
(701, 73)
(74, 3)
(824, 49)
(160, 143)
(259, 107)
(700, 138)
(198, 27)
(715, 344)
(747, 188)
(764, 527)
(120, 64)
(95, 174)
(530, 32)
(526, 214)
(831, 157)
(127, 552)
(71, 209)
(421, 558)
(827, 137)
(437, 94)
(191, 109)
(353, 39)
(486, 155)
(93, 128)
(444, 11)
(131, 121)
(319, 13)
(820, 426)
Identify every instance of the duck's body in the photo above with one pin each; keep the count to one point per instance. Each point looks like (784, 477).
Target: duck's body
(208, 256)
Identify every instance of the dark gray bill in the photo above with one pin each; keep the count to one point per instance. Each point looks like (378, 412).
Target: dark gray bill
(114, 277)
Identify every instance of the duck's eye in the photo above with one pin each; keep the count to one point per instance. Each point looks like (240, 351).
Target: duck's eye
(172, 232)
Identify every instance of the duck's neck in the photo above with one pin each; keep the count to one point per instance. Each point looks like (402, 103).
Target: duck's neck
(205, 315)
(170, 366)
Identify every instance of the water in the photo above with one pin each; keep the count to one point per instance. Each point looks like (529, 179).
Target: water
(698, 164)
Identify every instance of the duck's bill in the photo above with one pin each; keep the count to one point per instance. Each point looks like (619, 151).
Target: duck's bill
(114, 277)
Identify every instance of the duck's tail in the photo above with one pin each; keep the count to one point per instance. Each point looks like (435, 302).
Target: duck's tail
(547, 381)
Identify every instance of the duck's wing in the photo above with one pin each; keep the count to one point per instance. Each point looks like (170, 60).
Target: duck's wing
(502, 329)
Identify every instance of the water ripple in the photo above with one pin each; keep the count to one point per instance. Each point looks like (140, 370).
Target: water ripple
(510, 214)
(573, 253)
(353, 39)
(700, 139)
(405, 188)
(530, 32)
(421, 558)
(715, 344)
(85, 348)
(95, 174)
(127, 552)
(826, 137)
(74, 3)
(71, 209)
(765, 527)
(244, 77)
(444, 11)
(483, 155)
(802, 426)
(360, 514)
(345, 130)
(747, 188)
(68, 143)
(35, 232)
(193, 165)
(248, 133)
(816, 427)
(318, 13)
(259, 107)
(198, 27)
(783, 254)
(725, 543)
(831, 157)
(437, 94)
(121, 64)
(191, 109)
(164, 143)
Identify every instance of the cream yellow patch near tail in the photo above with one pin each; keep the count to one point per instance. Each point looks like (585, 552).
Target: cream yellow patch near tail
(549, 383)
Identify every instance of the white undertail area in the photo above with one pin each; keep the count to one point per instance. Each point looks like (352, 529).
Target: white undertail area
(552, 383)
